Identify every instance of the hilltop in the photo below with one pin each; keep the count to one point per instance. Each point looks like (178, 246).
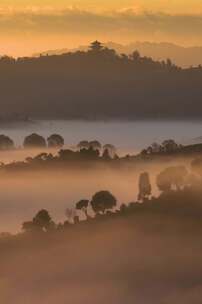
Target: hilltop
(180, 55)
(99, 84)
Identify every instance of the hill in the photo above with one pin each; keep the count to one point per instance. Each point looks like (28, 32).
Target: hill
(181, 56)
(142, 251)
(99, 84)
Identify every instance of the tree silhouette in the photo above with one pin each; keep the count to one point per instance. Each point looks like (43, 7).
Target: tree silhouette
(89, 154)
(84, 144)
(103, 201)
(29, 227)
(169, 146)
(83, 205)
(6, 143)
(111, 150)
(135, 56)
(172, 177)
(156, 148)
(106, 156)
(96, 145)
(55, 141)
(144, 186)
(169, 63)
(41, 222)
(34, 141)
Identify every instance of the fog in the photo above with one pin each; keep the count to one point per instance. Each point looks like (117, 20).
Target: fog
(25, 193)
(145, 259)
(119, 262)
(22, 195)
(127, 136)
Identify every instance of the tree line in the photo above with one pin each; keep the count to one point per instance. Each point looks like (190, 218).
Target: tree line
(90, 152)
(33, 141)
(180, 194)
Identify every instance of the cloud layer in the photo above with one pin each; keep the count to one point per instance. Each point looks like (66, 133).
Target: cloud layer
(124, 26)
(73, 20)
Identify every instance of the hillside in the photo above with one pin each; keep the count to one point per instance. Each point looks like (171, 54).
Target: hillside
(99, 84)
(181, 56)
(142, 252)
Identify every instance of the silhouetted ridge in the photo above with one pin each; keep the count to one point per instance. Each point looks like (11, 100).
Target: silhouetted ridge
(180, 196)
(99, 84)
(93, 153)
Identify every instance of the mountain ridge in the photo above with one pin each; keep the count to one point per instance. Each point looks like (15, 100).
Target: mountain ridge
(180, 55)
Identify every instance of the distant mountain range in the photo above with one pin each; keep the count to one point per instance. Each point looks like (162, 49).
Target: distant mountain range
(181, 56)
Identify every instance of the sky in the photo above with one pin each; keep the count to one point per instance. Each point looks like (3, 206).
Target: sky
(171, 6)
(31, 26)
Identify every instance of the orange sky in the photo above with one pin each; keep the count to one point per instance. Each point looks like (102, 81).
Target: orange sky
(27, 26)
(171, 6)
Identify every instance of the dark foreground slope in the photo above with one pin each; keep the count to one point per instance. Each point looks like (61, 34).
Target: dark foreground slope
(99, 84)
(141, 257)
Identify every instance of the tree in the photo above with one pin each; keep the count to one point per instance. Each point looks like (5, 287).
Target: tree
(83, 205)
(7, 59)
(84, 144)
(123, 208)
(6, 143)
(124, 58)
(169, 146)
(109, 54)
(143, 153)
(135, 56)
(41, 222)
(111, 150)
(55, 141)
(103, 201)
(34, 141)
(89, 154)
(169, 63)
(96, 145)
(66, 154)
(106, 155)
(156, 148)
(144, 186)
(29, 227)
(172, 177)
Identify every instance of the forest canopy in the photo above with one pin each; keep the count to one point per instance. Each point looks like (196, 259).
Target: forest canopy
(98, 84)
